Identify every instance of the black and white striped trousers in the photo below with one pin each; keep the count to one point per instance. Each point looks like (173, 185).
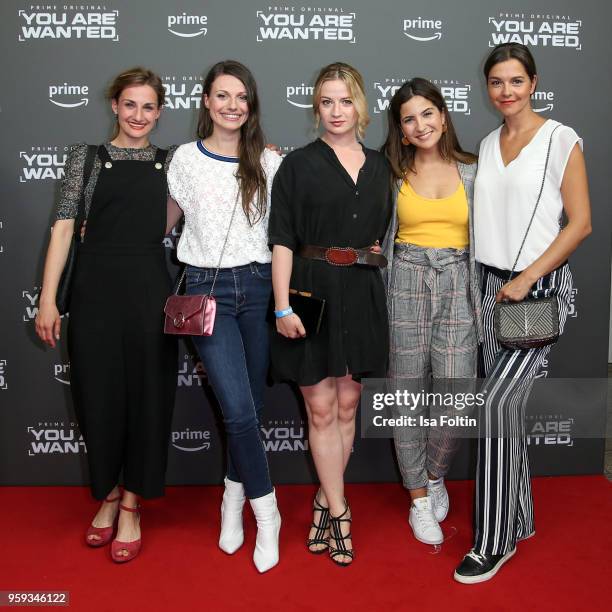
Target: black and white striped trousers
(504, 505)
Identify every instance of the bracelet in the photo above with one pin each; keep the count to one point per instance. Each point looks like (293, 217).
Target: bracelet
(279, 314)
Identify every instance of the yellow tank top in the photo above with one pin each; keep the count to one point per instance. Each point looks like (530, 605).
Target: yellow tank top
(428, 222)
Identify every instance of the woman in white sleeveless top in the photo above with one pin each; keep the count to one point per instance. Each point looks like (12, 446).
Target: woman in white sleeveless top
(511, 168)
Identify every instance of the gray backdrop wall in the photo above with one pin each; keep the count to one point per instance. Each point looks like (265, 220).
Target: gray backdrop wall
(57, 59)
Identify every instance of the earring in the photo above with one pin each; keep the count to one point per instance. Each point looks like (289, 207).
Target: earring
(405, 141)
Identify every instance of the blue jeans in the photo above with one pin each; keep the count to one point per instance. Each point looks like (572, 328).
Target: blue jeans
(236, 361)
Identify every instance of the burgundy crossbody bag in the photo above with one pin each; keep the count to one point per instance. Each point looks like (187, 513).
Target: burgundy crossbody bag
(194, 315)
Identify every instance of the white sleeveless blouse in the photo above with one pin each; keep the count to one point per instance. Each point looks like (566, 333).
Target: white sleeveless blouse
(505, 196)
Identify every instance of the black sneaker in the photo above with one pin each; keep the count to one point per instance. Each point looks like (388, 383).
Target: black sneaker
(479, 568)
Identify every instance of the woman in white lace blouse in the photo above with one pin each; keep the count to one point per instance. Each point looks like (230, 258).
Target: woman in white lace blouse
(222, 184)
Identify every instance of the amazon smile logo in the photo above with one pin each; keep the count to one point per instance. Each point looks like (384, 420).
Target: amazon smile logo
(194, 24)
(423, 30)
(191, 440)
(70, 96)
(302, 92)
(543, 101)
(61, 373)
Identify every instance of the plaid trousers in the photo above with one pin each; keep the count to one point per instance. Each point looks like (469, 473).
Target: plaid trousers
(433, 334)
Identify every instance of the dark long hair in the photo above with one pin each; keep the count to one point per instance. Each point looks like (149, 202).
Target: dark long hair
(508, 51)
(251, 176)
(401, 156)
(130, 78)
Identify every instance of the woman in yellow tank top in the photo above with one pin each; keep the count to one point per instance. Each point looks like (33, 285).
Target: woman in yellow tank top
(432, 289)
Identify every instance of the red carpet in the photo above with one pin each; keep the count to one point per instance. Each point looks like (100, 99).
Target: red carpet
(566, 566)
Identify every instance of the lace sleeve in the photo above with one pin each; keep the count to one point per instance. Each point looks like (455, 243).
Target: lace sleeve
(72, 184)
(180, 185)
(171, 151)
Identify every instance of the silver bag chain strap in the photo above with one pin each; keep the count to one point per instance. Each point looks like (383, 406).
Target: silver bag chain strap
(182, 278)
(536, 204)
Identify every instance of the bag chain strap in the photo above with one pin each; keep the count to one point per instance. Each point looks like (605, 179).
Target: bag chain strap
(90, 160)
(536, 204)
(183, 274)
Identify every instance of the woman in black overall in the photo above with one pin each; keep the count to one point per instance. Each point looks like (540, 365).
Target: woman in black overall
(123, 368)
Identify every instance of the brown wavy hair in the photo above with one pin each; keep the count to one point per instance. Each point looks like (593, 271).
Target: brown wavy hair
(401, 156)
(250, 175)
(130, 78)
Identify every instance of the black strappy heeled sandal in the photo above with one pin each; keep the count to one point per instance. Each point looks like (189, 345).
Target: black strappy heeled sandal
(340, 550)
(321, 527)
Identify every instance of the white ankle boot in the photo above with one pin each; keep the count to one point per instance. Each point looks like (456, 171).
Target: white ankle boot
(232, 534)
(268, 519)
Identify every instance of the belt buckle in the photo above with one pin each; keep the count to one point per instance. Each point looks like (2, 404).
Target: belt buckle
(341, 256)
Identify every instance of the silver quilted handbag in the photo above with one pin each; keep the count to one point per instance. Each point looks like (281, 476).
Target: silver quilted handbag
(533, 322)
(529, 324)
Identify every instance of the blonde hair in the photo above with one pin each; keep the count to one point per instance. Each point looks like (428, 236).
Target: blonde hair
(354, 83)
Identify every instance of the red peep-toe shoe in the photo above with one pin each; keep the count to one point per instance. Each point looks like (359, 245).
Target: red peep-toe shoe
(104, 534)
(132, 548)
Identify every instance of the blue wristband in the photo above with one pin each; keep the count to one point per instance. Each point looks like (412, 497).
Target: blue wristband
(279, 314)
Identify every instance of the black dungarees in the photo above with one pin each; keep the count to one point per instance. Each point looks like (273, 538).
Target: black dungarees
(123, 368)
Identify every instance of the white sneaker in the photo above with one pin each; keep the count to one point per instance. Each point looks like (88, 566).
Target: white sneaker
(232, 534)
(423, 522)
(437, 493)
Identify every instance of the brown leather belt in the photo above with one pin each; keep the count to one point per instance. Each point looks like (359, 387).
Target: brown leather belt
(344, 256)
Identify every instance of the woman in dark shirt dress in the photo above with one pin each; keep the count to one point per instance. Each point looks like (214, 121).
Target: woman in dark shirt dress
(332, 193)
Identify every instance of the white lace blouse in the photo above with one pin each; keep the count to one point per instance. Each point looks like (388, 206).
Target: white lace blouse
(204, 185)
